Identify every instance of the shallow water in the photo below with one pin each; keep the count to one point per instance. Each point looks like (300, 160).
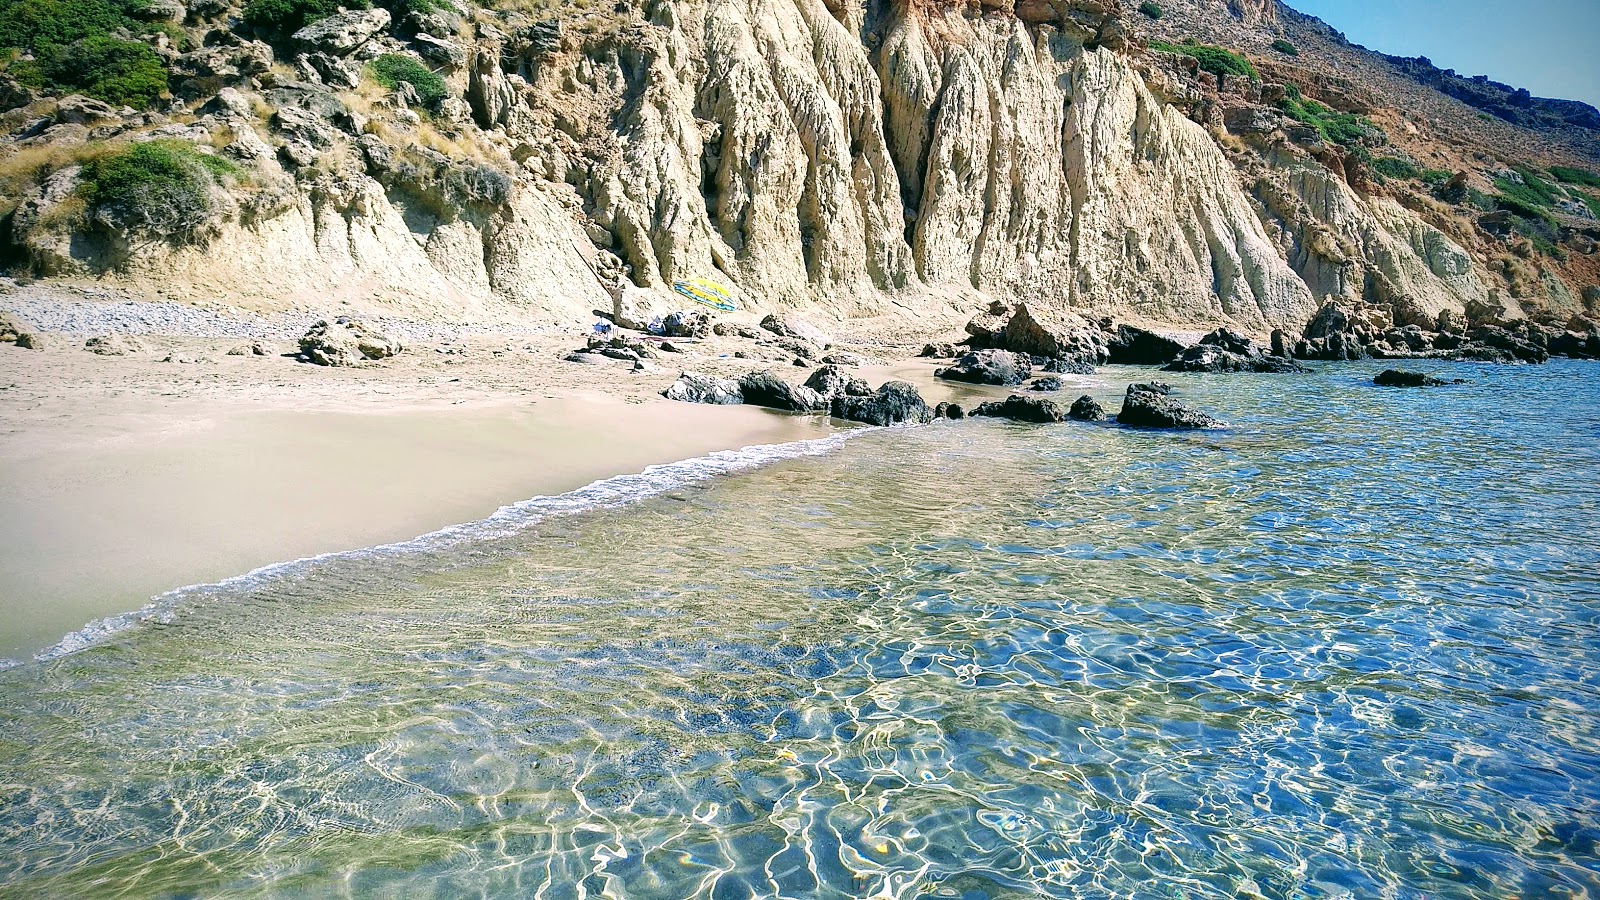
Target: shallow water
(1346, 648)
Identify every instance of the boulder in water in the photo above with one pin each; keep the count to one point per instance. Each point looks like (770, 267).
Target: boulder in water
(1047, 383)
(895, 403)
(1151, 406)
(1403, 378)
(1021, 409)
(1130, 346)
(1086, 409)
(949, 411)
(989, 367)
(1227, 351)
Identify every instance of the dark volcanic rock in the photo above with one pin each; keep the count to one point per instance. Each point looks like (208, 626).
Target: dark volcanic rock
(939, 351)
(767, 389)
(1517, 346)
(896, 403)
(1130, 346)
(1047, 383)
(1402, 378)
(1576, 345)
(1021, 409)
(1226, 351)
(1028, 333)
(949, 411)
(693, 387)
(988, 367)
(1150, 406)
(1086, 409)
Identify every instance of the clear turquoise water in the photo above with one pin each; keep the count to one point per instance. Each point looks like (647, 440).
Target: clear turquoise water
(1348, 648)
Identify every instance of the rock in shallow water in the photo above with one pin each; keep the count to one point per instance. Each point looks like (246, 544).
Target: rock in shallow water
(1047, 383)
(830, 381)
(1150, 406)
(896, 403)
(989, 367)
(1021, 409)
(1086, 409)
(1402, 378)
(1227, 351)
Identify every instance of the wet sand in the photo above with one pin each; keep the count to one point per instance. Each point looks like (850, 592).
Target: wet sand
(119, 481)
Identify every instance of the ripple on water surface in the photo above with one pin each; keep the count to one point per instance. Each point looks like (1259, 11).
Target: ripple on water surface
(1344, 649)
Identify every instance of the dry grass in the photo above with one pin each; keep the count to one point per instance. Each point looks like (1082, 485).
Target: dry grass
(23, 169)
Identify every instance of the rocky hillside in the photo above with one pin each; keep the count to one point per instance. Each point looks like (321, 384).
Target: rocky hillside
(1197, 162)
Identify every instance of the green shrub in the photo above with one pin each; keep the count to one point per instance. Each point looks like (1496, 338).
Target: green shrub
(391, 69)
(1345, 129)
(1521, 207)
(159, 186)
(1286, 48)
(1436, 177)
(403, 8)
(122, 73)
(41, 25)
(1533, 191)
(1575, 176)
(1150, 9)
(282, 18)
(1215, 60)
(1395, 167)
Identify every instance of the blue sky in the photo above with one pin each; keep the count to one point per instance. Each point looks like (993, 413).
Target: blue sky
(1550, 47)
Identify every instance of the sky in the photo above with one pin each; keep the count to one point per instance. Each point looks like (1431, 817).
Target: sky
(1550, 47)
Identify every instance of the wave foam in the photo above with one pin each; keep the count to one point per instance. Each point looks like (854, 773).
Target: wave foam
(507, 520)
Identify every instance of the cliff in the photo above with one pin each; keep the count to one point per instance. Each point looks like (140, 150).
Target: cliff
(903, 157)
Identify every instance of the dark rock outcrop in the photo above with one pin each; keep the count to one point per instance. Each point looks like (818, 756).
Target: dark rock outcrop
(767, 389)
(1226, 351)
(795, 327)
(939, 351)
(1402, 378)
(1021, 409)
(1151, 406)
(1130, 346)
(949, 411)
(1047, 383)
(1037, 335)
(989, 367)
(895, 403)
(1086, 409)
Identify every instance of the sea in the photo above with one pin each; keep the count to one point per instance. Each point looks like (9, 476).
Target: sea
(1346, 647)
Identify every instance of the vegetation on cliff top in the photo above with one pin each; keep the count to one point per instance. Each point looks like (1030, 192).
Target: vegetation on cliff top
(1215, 60)
(76, 49)
(284, 17)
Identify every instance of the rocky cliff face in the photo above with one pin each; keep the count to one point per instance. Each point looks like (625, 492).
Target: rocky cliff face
(856, 158)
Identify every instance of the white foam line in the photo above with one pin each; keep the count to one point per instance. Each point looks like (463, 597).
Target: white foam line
(507, 520)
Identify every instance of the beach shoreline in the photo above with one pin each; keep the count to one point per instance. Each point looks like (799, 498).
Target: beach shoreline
(126, 477)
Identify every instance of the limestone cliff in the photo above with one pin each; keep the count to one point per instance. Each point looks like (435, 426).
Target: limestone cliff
(857, 158)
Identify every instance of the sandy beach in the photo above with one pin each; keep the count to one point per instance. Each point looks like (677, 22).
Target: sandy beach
(125, 477)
